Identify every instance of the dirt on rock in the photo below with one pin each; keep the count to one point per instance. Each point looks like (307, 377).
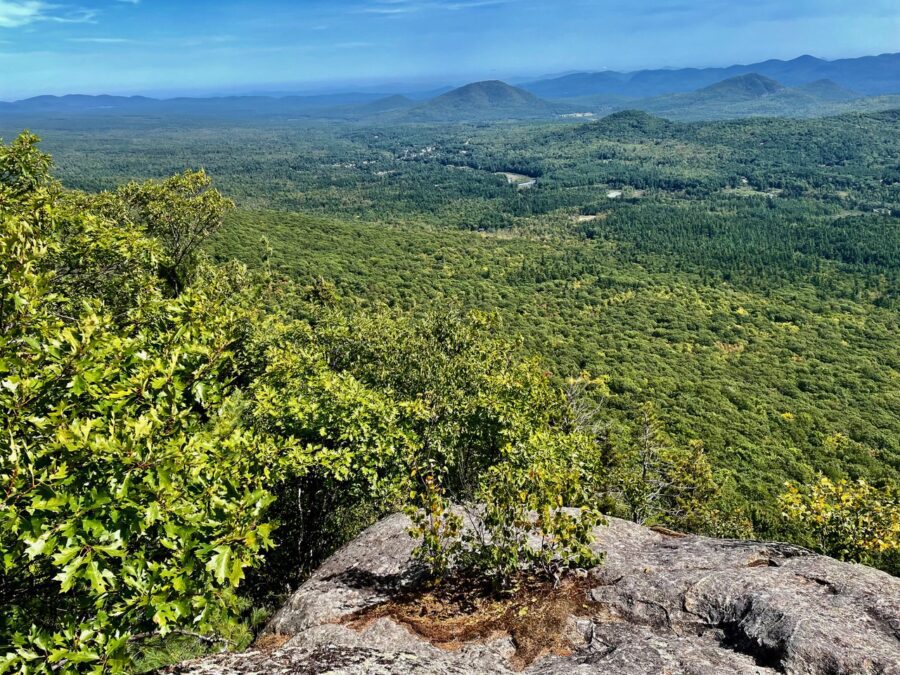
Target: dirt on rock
(535, 613)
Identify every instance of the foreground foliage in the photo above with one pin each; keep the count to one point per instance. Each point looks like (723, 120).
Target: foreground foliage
(159, 412)
(133, 499)
(848, 520)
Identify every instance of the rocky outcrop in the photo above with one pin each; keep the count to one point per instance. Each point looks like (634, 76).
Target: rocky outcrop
(661, 603)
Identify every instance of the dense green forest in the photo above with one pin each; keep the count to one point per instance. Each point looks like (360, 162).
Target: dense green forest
(445, 175)
(743, 276)
(728, 290)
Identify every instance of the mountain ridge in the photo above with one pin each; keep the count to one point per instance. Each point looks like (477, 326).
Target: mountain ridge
(755, 95)
(742, 95)
(868, 75)
(875, 75)
(751, 85)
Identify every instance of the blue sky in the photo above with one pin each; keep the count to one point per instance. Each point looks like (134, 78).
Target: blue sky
(209, 46)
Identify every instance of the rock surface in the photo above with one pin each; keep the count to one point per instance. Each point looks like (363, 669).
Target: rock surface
(662, 603)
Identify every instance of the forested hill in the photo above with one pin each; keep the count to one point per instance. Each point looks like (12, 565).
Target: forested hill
(742, 276)
(754, 95)
(482, 101)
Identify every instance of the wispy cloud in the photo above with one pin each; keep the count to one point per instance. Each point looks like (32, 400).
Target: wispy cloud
(101, 40)
(766, 10)
(15, 14)
(200, 41)
(76, 16)
(396, 7)
(354, 45)
(18, 13)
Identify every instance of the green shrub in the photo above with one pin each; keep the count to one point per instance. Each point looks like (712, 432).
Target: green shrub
(537, 511)
(519, 522)
(852, 521)
(133, 497)
(657, 482)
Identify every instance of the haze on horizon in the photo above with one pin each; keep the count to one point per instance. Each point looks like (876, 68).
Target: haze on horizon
(162, 47)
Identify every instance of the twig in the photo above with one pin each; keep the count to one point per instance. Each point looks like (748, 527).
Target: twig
(208, 639)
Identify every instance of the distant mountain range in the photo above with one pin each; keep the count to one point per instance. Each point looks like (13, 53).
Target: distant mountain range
(757, 95)
(804, 87)
(230, 105)
(869, 76)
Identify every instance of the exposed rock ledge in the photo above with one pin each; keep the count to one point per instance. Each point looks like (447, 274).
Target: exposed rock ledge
(660, 604)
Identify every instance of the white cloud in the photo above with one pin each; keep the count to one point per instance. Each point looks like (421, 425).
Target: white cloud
(15, 13)
(78, 16)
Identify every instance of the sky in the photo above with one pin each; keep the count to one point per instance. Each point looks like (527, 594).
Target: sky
(171, 47)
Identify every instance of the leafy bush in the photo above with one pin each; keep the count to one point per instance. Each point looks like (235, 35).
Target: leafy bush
(438, 526)
(518, 522)
(524, 522)
(133, 498)
(852, 521)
